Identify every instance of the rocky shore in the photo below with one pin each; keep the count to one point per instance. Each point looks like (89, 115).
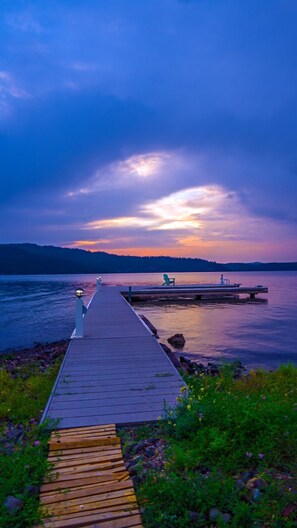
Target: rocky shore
(40, 357)
(21, 364)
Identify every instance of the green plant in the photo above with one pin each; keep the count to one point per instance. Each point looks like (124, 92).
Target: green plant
(222, 429)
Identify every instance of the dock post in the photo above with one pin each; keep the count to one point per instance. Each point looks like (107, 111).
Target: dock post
(130, 294)
(98, 283)
(80, 309)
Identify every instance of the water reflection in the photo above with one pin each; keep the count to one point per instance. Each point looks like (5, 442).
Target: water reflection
(42, 308)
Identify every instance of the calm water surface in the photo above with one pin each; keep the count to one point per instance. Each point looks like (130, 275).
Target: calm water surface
(261, 333)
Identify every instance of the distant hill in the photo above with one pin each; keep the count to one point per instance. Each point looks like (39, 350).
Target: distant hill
(30, 259)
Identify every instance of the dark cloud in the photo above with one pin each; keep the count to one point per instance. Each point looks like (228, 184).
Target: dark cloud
(84, 85)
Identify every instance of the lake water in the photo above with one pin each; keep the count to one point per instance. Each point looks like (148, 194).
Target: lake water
(260, 333)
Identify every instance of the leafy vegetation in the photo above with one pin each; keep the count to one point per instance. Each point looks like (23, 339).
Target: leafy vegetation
(23, 447)
(231, 457)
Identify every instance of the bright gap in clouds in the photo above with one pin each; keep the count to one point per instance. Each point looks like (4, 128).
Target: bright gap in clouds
(124, 173)
(207, 222)
(188, 209)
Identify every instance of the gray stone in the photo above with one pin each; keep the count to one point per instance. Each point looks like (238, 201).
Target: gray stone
(260, 484)
(246, 476)
(149, 452)
(138, 447)
(256, 483)
(177, 340)
(256, 494)
(193, 516)
(150, 325)
(213, 514)
(239, 484)
(132, 468)
(12, 504)
(166, 348)
(136, 480)
(33, 491)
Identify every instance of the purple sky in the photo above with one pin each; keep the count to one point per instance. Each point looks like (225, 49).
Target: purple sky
(158, 127)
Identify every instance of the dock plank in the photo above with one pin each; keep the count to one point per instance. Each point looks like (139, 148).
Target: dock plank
(79, 494)
(117, 373)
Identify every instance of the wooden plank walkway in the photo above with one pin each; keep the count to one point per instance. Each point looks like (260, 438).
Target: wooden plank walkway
(89, 485)
(117, 373)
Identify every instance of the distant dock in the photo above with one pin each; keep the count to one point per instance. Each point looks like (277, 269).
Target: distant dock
(193, 291)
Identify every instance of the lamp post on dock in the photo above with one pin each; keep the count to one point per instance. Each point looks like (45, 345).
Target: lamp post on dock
(80, 310)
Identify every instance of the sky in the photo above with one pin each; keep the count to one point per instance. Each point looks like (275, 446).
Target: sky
(156, 127)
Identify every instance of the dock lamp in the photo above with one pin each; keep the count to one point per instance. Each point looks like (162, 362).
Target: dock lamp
(98, 283)
(80, 311)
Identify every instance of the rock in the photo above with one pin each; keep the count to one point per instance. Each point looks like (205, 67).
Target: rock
(174, 360)
(239, 484)
(132, 467)
(187, 365)
(132, 470)
(128, 446)
(150, 325)
(256, 494)
(193, 516)
(149, 452)
(226, 517)
(185, 361)
(136, 480)
(139, 447)
(152, 440)
(177, 340)
(12, 504)
(33, 491)
(213, 514)
(258, 483)
(246, 476)
(154, 464)
(132, 463)
(166, 348)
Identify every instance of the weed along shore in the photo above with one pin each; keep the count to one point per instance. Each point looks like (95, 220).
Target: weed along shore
(26, 379)
(225, 456)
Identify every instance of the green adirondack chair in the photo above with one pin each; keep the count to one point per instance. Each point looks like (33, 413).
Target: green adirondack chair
(168, 280)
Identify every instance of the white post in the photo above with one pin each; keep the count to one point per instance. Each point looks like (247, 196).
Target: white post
(79, 331)
(98, 283)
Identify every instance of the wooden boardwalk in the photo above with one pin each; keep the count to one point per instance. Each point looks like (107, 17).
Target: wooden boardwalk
(89, 485)
(117, 373)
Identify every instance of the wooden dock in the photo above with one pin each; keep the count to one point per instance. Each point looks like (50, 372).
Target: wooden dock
(195, 291)
(117, 373)
(89, 485)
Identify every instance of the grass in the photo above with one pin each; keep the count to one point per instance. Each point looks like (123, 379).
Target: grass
(22, 400)
(223, 429)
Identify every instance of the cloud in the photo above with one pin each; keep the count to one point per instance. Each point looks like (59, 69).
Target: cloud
(125, 173)
(117, 112)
